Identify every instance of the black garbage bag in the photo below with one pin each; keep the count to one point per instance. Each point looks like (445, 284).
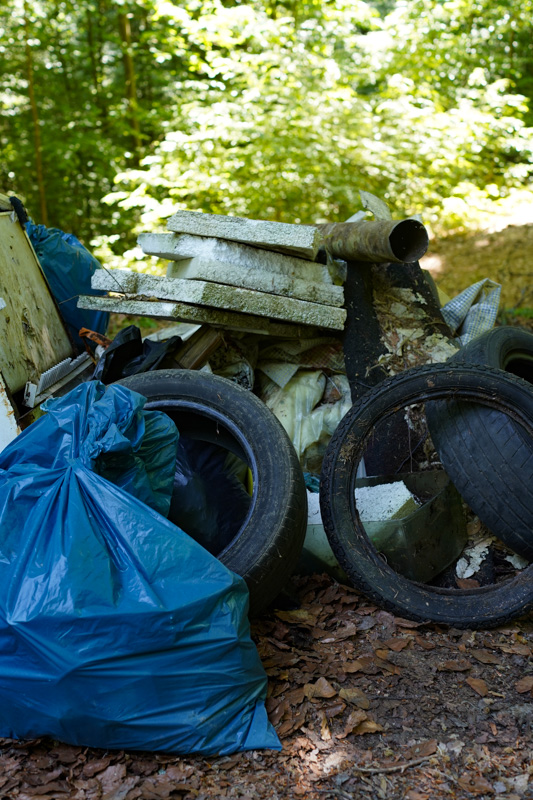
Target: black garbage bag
(129, 355)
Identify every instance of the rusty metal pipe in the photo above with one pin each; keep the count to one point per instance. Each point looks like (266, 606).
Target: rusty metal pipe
(376, 240)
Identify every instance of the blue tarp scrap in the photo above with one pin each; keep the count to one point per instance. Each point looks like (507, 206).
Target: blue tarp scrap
(117, 630)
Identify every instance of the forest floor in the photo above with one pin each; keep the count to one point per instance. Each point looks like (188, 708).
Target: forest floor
(367, 705)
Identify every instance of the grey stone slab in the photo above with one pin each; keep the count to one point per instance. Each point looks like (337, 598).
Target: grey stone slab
(283, 237)
(218, 296)
(229, 320)
(258, 280)
(176, 247)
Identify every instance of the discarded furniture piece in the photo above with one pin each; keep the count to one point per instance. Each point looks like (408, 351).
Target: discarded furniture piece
(32, 335)
(33, 338)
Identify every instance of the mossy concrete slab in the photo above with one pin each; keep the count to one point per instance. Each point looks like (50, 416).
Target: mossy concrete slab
(283, 237)
(258, 280)
(231, 320)
(175, 247)
(219, 296)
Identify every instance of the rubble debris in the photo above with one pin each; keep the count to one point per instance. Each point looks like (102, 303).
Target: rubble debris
(282, 237)
(178, 248)
(384, 501)
(232, 320)
(473, 557)
(259, 280)
(219, 296)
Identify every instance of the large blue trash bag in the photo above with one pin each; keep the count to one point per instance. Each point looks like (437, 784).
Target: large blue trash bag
(117, 630)
(68, 267)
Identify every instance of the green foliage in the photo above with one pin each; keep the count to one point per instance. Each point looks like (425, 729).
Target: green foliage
(281, 109)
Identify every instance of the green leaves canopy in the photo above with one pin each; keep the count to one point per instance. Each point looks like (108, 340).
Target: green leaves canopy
(274, 110)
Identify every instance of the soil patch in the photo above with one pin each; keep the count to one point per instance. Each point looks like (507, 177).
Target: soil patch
(367, 705)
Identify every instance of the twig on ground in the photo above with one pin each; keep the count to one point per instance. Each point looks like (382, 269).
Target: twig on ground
(393, 768)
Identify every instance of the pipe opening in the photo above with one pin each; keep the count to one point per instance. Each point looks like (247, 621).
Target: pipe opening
(409, 240)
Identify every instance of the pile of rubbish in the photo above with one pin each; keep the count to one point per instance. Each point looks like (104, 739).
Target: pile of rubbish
(291, 415)
(275, 294)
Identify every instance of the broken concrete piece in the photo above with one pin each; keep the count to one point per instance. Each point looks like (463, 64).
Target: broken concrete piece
(220, 297)
(282, 237)
(384, 501)
(176, 248)
(231, 320)
(258, 280)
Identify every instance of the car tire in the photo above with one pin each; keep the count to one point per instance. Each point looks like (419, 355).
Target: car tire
(484, 607)
(480, 447)
(212, 409)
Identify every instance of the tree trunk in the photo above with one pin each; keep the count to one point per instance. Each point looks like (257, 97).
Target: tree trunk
(130, 86)
(35, 117)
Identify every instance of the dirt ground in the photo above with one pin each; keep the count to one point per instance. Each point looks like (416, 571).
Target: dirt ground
(367, 705)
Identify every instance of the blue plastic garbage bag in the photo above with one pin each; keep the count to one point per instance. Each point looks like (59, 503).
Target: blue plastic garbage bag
(68, 267)
(116, 629)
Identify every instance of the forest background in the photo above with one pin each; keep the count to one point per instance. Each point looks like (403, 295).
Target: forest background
(115, 114)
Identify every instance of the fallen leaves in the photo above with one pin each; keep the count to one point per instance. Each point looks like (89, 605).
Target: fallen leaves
(475, 784)
(478, 685)
(359, 723)
(366, 705)
(319, 689)
(421, 750)
(355, 696)
(298, 616)
(524, 684)
(461, 665)
(485, 656)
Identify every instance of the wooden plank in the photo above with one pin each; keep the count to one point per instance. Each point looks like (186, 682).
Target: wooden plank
(197, 350)
(32, 335)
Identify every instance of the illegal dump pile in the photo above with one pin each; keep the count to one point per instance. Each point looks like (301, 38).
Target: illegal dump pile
(180, 467)
(282, 341)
